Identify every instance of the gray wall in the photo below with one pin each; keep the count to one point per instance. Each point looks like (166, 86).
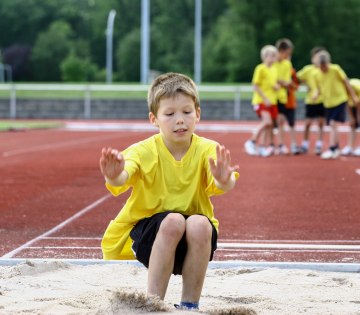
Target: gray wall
(119, 109)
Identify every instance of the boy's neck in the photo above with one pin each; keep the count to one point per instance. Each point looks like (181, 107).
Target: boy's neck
(177, 150)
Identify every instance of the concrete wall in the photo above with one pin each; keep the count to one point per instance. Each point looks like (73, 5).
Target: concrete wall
(119, 109)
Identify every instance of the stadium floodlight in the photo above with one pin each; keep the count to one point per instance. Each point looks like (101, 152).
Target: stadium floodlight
(109, 45)
(145, 41)
(197, 42)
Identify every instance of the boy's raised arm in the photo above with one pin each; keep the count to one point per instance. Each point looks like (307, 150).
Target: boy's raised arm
(222, 169)
(112, 165)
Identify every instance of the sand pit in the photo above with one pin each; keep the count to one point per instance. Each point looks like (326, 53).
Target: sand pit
(61, 288)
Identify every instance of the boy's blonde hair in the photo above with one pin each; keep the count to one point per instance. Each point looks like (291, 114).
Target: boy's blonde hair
(169, 85)
(268, 50)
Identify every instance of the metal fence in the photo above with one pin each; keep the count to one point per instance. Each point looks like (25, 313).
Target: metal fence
(88, 89)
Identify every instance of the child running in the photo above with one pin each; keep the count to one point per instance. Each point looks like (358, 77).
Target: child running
(168, 222)
(264, 102)
(314, 108)
(350, 148)
(284, 70)
(334, 86)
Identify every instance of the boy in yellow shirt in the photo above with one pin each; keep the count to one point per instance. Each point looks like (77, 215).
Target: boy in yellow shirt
(314, 108)
(350, 149)
(264, 103)
(334, 86)
(284, 71)
(168, 221)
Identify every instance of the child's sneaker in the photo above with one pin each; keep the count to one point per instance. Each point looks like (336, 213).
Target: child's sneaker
(346, 151)
(303, 150)
(283, 150)
(295, 149)
(356, 152)
(318, 150)
(250, 147)
(265, 152)
(330, 154)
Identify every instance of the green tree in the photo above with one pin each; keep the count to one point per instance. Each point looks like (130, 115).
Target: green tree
(50, 49)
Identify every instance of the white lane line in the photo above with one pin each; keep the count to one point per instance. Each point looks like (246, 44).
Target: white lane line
(146, 127)
(51, 146)
(357, 171)
(239, 251)
(288, 246)
(70, 238)
(237, 241)
(64, 247)
(57, 227)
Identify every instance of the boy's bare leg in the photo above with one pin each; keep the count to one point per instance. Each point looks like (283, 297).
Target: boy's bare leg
(266, 122)
(161, 263)
(281, 122)
(321, 123)
(198, 238)
(334, 138)
(307, 129)
(352, 137)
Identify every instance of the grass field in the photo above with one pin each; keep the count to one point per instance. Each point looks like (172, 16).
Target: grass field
(134, 95)
(9, 125)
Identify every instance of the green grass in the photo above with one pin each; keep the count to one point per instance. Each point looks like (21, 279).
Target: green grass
(23, 125)
(113, 95)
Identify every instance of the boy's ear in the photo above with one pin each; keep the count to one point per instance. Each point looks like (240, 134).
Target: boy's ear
(153, 119)
(198, 114)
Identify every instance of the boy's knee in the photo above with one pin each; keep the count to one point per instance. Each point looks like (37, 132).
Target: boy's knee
(198, 229)
(173, 226)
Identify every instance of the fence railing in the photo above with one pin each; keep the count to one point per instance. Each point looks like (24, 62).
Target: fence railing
(88, 89)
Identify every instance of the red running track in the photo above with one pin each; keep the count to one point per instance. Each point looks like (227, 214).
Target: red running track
(54, 204)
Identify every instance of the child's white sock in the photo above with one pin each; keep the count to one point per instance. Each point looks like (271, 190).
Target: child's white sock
(319, 144)
(305, 144)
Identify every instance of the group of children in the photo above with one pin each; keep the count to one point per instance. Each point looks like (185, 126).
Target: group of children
(330, 94)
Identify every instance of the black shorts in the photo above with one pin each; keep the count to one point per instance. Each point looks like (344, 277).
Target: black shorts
(337, 113)
(289, 113)
(354, 114)
(315, 111)
(144, 233)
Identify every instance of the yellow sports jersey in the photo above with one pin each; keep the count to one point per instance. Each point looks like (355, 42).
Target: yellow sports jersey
(332, 86)
(307, 75)
(355, 84)
(265, 77)
(283, 68)
(160, 183)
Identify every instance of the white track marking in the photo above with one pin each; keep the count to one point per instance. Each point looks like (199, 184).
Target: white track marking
(287, 246)
(57, 227)
(145, 126)
(51, 146)
(70, 238)
(289, 241)
(64, 247)
(237, 250)
(357, 171)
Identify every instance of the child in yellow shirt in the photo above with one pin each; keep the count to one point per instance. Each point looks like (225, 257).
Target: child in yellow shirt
(350, 148)
(314, 108)
(264, 103)
(334, 86)
(168, 221)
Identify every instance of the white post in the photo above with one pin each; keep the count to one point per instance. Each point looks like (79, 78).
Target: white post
(13, 101)
(87, 103)
(145, 41)
(197, 42)
(109, 45)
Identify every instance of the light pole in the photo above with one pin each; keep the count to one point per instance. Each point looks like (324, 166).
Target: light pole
(145, 41)
(109, 45)
(197, 44)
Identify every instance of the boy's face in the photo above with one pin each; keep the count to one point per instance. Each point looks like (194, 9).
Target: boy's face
(323, 67)
(176, 119)
(285, 54)
(270, 59)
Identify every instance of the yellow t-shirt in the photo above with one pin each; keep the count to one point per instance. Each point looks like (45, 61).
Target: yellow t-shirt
(161, 183)
(283, 69)
(265, 77)
(307, 75)
(355, 84)
(332, 86)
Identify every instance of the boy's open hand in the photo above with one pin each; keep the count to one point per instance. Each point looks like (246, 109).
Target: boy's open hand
(222, 169)
(111, 163)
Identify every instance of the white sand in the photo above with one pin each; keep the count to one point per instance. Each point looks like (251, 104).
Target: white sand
(60, 288)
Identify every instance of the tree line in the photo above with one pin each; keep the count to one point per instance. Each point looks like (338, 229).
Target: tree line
(64, 40)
